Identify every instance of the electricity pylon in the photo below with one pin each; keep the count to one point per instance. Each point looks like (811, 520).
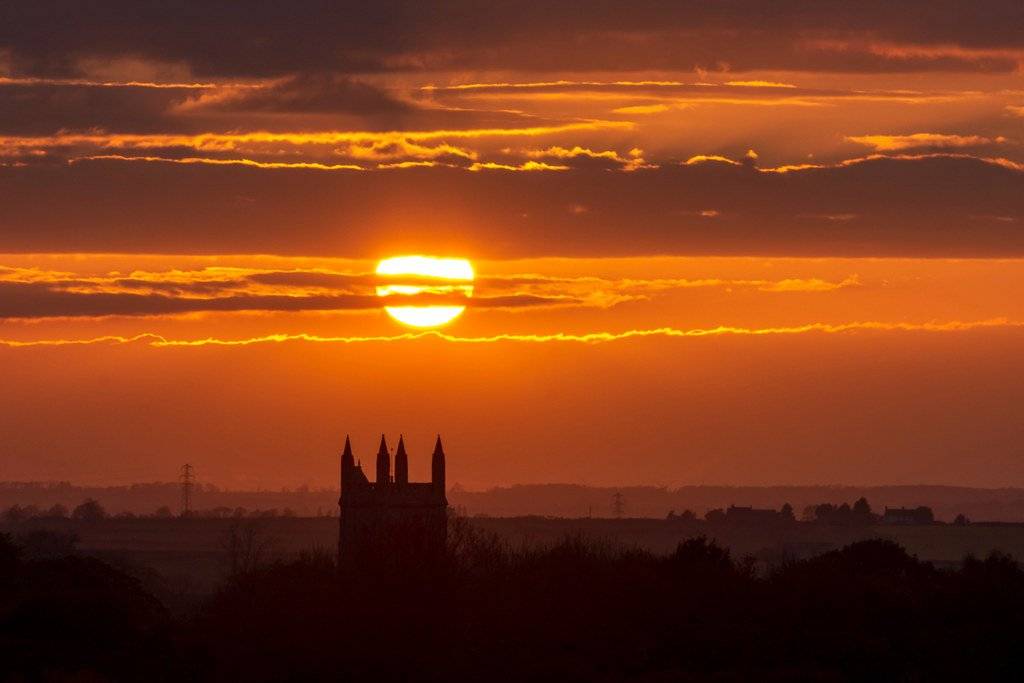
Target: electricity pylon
(187, 482)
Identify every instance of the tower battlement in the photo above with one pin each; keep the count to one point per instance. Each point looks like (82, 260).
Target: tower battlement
(391, 516)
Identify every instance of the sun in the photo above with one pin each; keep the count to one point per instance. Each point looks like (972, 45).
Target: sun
(412, 275)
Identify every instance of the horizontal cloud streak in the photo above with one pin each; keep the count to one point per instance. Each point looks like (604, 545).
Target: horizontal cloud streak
(161, 341)
(233, 141)
(38, 294)
(32, 301)
(252, 163)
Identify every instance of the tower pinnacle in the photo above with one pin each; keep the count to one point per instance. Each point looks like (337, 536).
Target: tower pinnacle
(383, 462)
(437, 465)
(401, 463)
(347, 459)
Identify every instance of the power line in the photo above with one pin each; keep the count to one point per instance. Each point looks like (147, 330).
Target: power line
(618, 505)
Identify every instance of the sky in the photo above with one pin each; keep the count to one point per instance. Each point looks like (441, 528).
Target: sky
(737, 242)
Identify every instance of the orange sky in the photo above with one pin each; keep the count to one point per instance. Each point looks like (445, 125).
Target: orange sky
(730, 243)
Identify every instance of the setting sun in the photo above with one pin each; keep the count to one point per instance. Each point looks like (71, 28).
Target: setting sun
(427, 275)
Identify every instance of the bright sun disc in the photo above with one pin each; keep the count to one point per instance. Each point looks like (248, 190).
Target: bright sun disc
(432, 275)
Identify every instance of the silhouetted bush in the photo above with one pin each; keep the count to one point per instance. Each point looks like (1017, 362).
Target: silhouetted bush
(65, 617)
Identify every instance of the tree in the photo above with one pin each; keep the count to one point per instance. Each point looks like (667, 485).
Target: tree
(17, 513)
(14, 514)
(9, 555)
(862, 508)
(89, 511)
(823, 512)
(961, 520)
(703, 556)
(247, 546)
(786, 512)
(163, 512)
(57, 511)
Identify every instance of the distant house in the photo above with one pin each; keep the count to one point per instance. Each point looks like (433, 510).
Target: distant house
(918, 515)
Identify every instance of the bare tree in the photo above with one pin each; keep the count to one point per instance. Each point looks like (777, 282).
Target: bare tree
(247, 546)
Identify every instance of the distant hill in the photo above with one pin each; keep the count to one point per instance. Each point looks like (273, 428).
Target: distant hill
(555, 500)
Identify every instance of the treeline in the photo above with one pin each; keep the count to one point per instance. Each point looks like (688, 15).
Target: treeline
(91, 510)
(559, 500)
(576, 610)
(859, 514)
(567, 500)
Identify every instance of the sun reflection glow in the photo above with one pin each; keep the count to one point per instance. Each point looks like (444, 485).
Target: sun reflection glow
(431, 275)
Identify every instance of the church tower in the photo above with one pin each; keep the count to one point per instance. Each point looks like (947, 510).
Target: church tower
(392, 519)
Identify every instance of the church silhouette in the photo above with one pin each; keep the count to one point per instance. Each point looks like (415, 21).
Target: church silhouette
(391, 518)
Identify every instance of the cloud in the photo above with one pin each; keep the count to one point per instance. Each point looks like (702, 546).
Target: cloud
(906, 205)
(93, 83)
(525, 166)
(305, 165)
(653, 96)
(38, 107)
(891, 143)
(315, 92)
(808, 285)
(602, 337)
(27, 293)
(760, 84)
(642, 109)
(266, 146)
(37, 301)
(847, 163)
(65, 39)
(632, 161)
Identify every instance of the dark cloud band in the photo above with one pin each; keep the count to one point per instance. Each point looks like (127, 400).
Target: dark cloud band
(222, 38)
(925, 205)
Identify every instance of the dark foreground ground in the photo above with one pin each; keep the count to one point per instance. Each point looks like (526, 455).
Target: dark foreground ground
(487, 610)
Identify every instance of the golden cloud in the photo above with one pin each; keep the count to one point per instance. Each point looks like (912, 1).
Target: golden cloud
(895, 143)
(224, 162)
(526, 166)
